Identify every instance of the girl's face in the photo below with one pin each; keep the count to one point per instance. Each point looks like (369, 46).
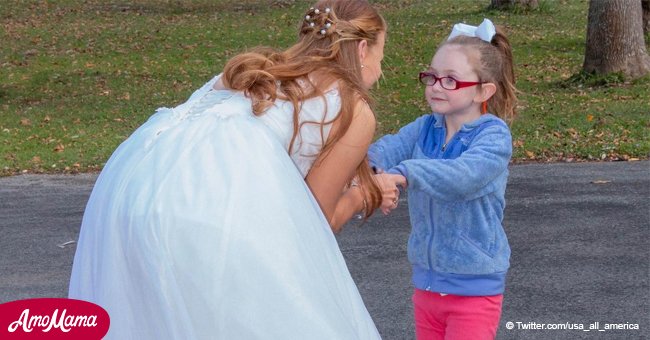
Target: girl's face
(452, 61)
(372, 57)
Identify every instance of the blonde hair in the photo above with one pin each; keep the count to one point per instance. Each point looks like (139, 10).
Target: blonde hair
(328, 52)
(494, 65)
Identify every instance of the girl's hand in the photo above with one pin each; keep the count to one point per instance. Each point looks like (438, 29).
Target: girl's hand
(389, 184)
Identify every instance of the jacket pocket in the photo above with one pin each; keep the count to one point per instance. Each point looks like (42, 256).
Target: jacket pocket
(476, 245)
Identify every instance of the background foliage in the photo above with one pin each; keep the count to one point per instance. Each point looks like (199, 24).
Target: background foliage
(79, 76)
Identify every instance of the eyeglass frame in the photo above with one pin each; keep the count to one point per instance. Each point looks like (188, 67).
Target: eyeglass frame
(459, 83)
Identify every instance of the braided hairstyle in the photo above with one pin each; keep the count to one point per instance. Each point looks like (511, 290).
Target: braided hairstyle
(325, 55)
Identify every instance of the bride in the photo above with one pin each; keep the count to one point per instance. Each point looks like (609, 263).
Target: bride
(212, 220)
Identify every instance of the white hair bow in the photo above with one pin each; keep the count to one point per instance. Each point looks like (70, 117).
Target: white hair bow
(485, 31)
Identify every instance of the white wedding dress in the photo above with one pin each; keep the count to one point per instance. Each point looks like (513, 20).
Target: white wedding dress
(201, 226)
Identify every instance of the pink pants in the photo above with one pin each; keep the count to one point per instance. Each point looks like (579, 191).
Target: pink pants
(455, 317)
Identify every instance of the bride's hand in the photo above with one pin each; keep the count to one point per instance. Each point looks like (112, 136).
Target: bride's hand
(389, 183)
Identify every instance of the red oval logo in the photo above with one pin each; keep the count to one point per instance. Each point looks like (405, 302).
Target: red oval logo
(52, 318)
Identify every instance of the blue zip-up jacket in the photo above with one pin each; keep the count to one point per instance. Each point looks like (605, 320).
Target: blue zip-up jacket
(456, 195)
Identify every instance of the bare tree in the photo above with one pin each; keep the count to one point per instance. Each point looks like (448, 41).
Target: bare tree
(615, 41)
(507, 4)
(645, 4)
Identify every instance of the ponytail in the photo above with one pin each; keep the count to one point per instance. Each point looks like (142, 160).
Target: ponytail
(504, 100)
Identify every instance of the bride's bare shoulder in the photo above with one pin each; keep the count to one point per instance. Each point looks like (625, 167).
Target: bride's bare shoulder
(218, 85)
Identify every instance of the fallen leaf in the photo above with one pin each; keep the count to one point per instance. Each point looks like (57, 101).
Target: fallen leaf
(572, 132)
(26, 122)
(59, 148)
(30, 53)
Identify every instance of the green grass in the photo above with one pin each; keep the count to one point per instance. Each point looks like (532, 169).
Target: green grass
(79, 76)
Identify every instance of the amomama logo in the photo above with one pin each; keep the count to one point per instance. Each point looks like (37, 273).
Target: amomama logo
(52, 318)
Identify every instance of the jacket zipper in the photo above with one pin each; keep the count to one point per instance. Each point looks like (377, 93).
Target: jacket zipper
(439, 155)
(451, 140)
(429, 252)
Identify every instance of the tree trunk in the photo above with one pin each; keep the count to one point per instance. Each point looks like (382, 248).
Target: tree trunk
(646, 15)
(528, 4)
(501, 4)
(508, 4)
(615, 41)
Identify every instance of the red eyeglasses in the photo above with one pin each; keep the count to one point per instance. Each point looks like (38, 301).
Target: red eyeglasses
(447, 83)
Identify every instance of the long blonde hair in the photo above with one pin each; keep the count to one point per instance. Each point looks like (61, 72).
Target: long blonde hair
(327, 47)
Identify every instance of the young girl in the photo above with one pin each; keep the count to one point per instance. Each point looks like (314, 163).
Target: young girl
(455, 162)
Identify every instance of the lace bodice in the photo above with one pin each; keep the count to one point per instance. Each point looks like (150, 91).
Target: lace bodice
(278, 118)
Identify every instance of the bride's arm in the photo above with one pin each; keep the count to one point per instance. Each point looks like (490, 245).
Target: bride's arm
(332, 171)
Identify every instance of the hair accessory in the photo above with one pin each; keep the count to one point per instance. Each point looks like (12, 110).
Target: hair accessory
(485, 31)
(321, 17)
(328, 24)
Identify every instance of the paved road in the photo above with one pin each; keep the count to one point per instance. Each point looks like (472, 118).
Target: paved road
(580, 238)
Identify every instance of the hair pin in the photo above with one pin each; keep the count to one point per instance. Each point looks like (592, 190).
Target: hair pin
(310, 18)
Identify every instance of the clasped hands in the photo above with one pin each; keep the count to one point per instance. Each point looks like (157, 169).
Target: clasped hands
(390, 189)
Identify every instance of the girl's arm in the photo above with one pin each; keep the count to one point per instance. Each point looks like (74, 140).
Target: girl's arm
(469, 176)
(334, 170)
(390, 150)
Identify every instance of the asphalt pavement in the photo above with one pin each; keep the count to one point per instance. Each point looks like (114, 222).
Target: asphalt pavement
(579, 233)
